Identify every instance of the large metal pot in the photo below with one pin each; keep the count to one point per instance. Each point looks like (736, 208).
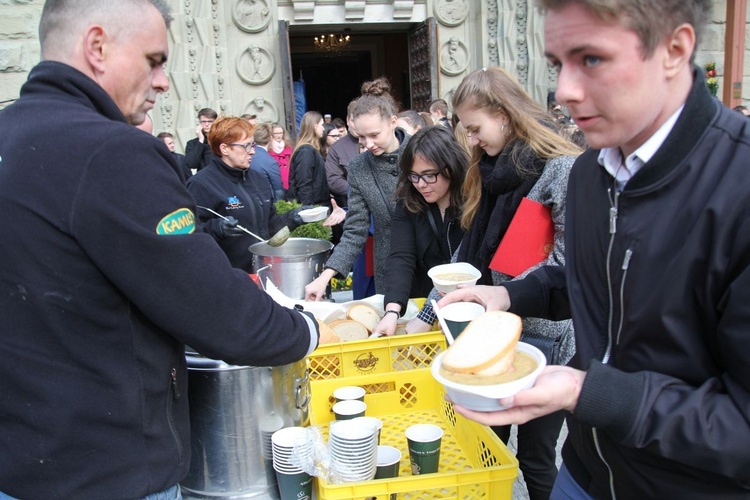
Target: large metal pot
(292, 265)
(233, 412)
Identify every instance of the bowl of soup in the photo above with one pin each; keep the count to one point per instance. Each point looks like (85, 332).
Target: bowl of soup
(481, 393)
(447, 277)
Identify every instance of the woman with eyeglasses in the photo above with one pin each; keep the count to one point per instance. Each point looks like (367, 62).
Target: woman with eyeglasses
(228, 186)
(331, 134)
(281, 151)
(425, 227)
(307, 168)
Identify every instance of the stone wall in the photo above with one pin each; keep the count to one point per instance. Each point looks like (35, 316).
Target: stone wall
(19, 45)
(19, 48)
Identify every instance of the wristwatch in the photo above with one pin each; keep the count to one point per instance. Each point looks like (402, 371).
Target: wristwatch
(398, 314)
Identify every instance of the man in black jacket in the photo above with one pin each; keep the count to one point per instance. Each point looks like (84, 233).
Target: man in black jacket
(103, 278)
(198, 153)
(657, 276)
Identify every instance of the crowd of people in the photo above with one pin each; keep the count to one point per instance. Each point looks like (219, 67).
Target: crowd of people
(639, 305)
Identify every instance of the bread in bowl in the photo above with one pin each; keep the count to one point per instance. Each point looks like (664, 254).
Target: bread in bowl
(486, 347)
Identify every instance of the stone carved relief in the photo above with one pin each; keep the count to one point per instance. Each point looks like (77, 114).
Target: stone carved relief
(451, 12)
(448, 98)
(264, 110)
(251, 16)
(492, 16)
(255, 65)
(454, 57)
(522, 62)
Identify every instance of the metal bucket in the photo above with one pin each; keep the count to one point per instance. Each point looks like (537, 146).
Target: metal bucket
(234, 410)
(292, 265)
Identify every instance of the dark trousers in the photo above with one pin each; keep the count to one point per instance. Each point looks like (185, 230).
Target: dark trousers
(537, 440)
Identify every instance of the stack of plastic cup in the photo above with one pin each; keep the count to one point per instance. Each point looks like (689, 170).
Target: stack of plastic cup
(354, 450)
(294, 483)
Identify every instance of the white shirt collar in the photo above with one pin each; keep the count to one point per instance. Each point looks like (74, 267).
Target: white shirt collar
(611, 158)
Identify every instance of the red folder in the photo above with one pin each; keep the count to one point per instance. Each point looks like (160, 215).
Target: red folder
(528, 240)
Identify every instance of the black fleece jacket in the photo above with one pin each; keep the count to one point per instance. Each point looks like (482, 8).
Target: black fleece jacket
(245, 195)
(657, 279)
(103, 279)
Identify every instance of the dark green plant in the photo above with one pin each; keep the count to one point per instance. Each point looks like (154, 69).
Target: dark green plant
(311, 230)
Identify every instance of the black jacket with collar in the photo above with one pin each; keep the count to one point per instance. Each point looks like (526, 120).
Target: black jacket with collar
(245, 195)
(658, 278)
(198, 155)
(415, 248)
(102, 281)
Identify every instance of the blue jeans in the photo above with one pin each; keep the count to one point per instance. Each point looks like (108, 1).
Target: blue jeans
(173, 493)
(566, 487)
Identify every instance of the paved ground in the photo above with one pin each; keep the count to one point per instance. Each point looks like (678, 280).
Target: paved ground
(519, 488)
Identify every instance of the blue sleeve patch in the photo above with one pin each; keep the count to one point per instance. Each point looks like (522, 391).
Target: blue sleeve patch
(180, 221)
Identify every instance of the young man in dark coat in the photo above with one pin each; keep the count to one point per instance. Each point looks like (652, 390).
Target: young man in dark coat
(198, 153)
(657, 275)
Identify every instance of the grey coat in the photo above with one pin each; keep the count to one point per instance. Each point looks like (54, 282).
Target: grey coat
(365, 199)
(550, 190)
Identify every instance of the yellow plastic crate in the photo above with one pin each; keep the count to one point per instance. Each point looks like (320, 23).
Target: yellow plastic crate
(474, 463)
(375, 356)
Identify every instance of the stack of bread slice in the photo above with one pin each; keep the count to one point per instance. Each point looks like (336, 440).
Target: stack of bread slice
(358, 324)
(486, 347)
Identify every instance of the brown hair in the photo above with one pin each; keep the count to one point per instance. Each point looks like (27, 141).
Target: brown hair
(376, 98)
(227, 130)
(651, 20)
(438, 146)
(307, 131)
(262, 134)
(498, 92)
(208, 113)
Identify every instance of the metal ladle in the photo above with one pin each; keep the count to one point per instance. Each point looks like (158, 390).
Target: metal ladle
(276, 240)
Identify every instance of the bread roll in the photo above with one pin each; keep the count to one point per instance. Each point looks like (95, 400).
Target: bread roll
(486, 347)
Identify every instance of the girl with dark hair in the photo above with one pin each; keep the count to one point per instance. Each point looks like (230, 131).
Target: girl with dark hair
(426, 227)
(331, 134)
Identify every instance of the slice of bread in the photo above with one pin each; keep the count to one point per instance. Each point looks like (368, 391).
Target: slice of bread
(348, 329)
(327, 335)
(487, 346)
(364, 314)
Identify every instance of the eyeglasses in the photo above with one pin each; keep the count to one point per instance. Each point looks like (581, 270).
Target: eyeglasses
(427, 178)
(248, 147)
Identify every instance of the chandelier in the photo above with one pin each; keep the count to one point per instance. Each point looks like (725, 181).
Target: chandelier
(332, 44)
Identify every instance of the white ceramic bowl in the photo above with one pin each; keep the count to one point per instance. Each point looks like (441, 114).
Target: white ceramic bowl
(485, 397)
(446, 286)
(313, 214)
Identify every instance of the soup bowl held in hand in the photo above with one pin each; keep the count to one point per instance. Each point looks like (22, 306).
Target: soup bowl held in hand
(482, 393)
(447, 277)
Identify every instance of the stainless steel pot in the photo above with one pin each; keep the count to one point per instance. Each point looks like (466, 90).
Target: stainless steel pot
(292, 265)
(234, 410)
